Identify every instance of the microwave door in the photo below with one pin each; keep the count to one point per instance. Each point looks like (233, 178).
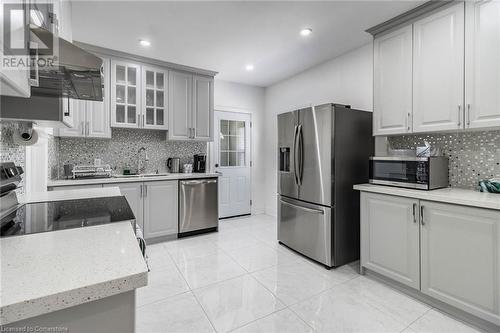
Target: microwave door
(287, 145)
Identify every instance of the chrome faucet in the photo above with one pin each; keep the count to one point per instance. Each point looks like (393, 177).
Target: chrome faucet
(141, 163)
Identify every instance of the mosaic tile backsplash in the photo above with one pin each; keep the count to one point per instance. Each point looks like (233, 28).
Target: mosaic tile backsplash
(473, 155)
(121, 151)
(9, 151)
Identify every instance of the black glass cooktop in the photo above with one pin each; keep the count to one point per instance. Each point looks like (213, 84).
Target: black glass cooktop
(58, 215)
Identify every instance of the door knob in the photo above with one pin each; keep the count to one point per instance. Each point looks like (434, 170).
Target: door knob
(216, 165)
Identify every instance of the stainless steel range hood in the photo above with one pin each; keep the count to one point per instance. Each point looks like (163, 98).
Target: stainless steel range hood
(64, 70)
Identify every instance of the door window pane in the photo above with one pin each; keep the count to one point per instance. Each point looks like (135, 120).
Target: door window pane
(120, 113)
(159, 117)
(159, 98)
(159, 80)
(131, 78)
(150, 79)
(232, 143)
(120, 74)
(150, 116)
(131, 115)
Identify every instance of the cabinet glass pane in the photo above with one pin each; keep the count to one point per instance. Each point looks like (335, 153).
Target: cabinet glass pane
(131, 95)
(120, 94)
(131, 75)
(131, 115)
(160, 117)
(150, 97)
(120, 74)
(150, 116)
(120, 113)
(150, 79)
(159, 80)
(159, 98)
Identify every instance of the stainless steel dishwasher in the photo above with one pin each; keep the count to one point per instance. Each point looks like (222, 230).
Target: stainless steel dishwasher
(198, 206)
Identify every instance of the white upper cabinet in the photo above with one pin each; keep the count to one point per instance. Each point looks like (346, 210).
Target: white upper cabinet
(154, 97)
(180, 106)
(482, 88)
(438, 71)
(392, 79)
(125, 94)
(203, 108)
(77, 109)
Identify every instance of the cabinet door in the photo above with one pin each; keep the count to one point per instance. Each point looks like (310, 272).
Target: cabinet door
(160, 209)
(77, 121)
(203, 108)
(482, 64)
(438, 71)
(180, 106)
(98, 115)
(154, 97)
(461, 257)
(133, 192)
(392, 80)
(390, 237)
(125, 94)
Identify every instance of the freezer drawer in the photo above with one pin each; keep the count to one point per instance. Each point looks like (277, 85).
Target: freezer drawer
(198, 205)
(306, 228)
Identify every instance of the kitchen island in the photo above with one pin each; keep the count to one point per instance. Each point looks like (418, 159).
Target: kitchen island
(81, 279)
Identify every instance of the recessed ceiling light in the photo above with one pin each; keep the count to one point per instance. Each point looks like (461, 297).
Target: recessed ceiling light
(144, 42)
(249, 67)
(306, 32)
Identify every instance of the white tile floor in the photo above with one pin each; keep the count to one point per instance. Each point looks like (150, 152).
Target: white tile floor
(240, 279)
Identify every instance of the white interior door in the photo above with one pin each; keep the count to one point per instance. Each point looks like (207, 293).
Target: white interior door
(232, 160)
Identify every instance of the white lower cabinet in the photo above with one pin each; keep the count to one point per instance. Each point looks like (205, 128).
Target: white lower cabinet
(160, 208)
(133, 194)
(390, 237)
(460, 249)
(154, 205)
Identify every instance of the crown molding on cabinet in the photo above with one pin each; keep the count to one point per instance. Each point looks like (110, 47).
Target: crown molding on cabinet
(138, 58)
(408, 17)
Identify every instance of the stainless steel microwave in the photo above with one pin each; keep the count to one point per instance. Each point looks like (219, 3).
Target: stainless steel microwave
(424, 173)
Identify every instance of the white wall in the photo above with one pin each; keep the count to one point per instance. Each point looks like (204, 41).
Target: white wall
(235, 97)
(346, 79)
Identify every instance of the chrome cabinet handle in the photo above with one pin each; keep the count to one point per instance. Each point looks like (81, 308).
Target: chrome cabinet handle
(408, 121)
(82, 125)
(143, 121)
(194, 133)
(312, 210)
(414, 213)
(422, 215)
(468, 114)
(88, 128)
(459, 114)
(142, 191)
(145, 190)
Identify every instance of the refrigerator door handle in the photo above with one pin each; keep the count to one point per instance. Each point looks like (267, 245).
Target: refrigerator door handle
(295, 155)
(301, 156)
(311, 210)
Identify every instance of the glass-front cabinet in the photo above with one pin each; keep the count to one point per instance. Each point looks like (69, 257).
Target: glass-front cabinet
(154, 96)
(125, 94)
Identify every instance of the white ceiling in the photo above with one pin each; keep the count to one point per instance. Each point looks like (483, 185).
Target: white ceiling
(225, 36)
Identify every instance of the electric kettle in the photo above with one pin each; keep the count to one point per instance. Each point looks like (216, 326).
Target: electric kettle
(173, 164)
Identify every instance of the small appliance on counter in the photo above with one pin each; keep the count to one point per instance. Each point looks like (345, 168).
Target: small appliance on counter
(200, 163)
(91, 171)
(490, 185)
(187, 168)
(174, 164)
(423, 173)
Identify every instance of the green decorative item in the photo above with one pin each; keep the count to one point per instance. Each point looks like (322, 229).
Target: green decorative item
(491, 185)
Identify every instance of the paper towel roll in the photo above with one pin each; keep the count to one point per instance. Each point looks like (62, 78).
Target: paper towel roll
(25, 136)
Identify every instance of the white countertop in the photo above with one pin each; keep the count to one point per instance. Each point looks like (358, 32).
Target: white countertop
(73, 194)
(171, 176)
(46, 272)
(448, 195)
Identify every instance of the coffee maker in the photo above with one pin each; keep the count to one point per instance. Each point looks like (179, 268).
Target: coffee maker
(200, 163)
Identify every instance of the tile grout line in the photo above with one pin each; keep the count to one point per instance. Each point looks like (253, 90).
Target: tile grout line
(423, 314)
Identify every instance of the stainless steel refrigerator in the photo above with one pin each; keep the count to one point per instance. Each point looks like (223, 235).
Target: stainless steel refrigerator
(322, 152)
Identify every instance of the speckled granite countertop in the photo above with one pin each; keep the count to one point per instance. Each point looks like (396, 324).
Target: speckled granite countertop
(120, 179)
(46, 272)
(447, 195)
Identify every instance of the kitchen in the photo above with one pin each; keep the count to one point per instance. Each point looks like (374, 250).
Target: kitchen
(395, 259)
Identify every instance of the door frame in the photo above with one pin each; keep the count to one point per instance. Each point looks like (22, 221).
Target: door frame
(211, 145)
